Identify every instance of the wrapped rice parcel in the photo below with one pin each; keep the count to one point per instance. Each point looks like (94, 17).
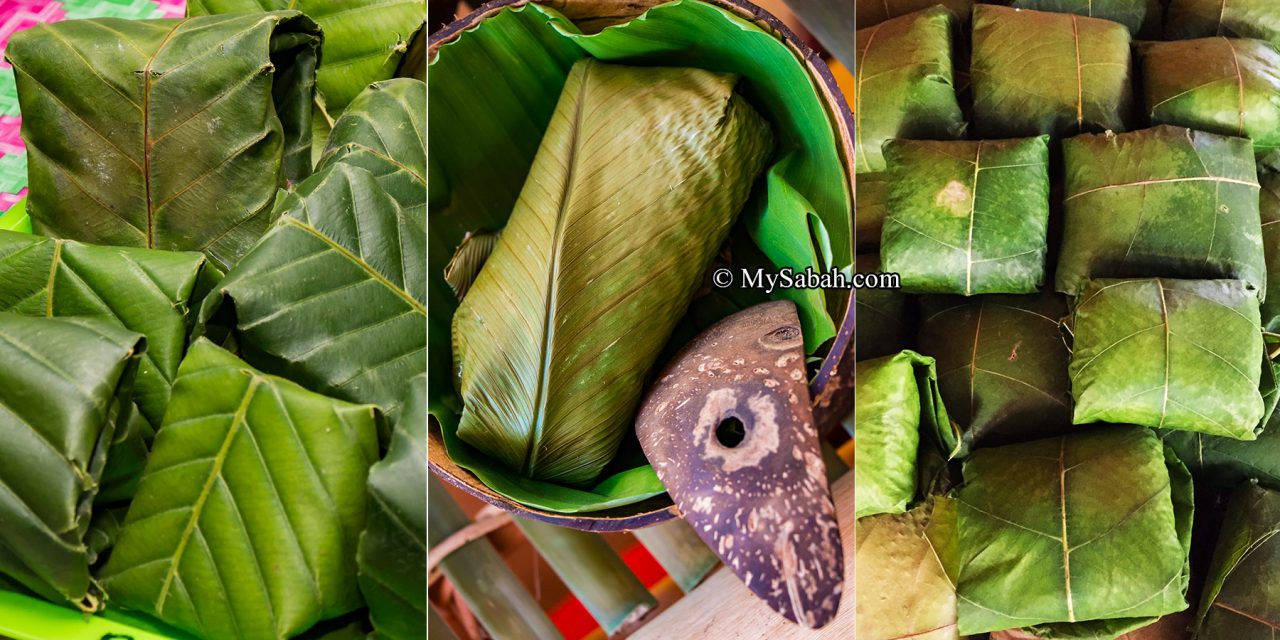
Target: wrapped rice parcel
(1141, 17)
(1233, 19)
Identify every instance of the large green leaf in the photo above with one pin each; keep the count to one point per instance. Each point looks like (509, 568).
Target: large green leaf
(599, 261)
(1235, 18)
(246, 521)
(1002, 365)
(1149, 352)
(1082, 81)
(904, 586)
(1089, 528)
(886, 317)
(333, 296)
(903, 84)
(967, 217)
(383, 132)
(1222, 85)
(364, 40)
(1141, 17)
(1162, 202)
(869, 14)
(63, 386)
(170, 134)
(1242, 593)
(393, 548)
(1269, 209)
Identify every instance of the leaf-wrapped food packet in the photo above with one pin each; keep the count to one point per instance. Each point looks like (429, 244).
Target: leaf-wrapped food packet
(167, 134)
(870, 14)
(1161, 202)
(1269, 210)
(1002, 365)
(1089, 529)
(1242, 593)
(908, 561)
(64, 389)
(905, 84)
(1141, 17)
(967, 217)
(1233, 19)
(1174, 354)
(599, 261)
(886, 317)
(1229, 86)
(1081, 79)
(898, 401)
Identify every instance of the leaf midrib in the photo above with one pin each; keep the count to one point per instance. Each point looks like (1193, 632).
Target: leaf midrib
(146, 131)
(418, 307)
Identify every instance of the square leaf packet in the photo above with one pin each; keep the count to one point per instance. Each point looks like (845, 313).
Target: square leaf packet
(1141, 17)
(1173, 354)
(1161, 202)
(967, 217)
(1234, 19)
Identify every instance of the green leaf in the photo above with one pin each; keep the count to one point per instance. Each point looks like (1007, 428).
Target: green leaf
(143, 290)
(1242, 593)
(1141, 17)
(873, 208)
(904, 84)
(869, 14)
(898, 400)
(468, 259)
(1161, 202)
(63, 386)
(1087, 528)
(1269, 208)
(556, 336)
(246, 521)
(364, 40)
(126, 457)
(967, 217)
(393, 548)
(1081, 82)
(1002, 365)
(104, 528)
(886, 317)
(346, 262)
(903, 560)
(1235, 19)
(169, 134)
(1149, 352)
(383, 132)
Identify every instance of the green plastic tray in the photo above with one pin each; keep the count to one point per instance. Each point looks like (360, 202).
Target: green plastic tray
(26, 618)
(16, 219)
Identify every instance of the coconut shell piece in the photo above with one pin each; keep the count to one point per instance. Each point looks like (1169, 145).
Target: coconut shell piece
(729, 429)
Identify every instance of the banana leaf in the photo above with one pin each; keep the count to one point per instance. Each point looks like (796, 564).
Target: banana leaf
(1242, 594)
(1229, 86)
(132, 144)
(1161, 202)
(393, 548)
(904, 580)
(1002, 366)
(560, 329)
(1082, 81)
(886, 317)
(1149, 352)
(246, 520)
(1141, 17)
(905, 86)
(1092, 530)
(967, 217)
(898, 402)
(869, 13)
(1269, 210)
(1235, 19)
(63, 386)
(364, 40)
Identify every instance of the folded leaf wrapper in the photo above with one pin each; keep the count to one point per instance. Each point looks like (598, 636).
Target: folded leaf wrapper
(886, 317)
(869, 14)
(1081, 81)
(1002, 365)
(967, 217)
(1162, 202)
(1234, 19)
(168, 134)
(905, 86)
(1141, 17)
(1269, 208)
(1150, 352)
(64, 386)
(246, 521)
(593, 271)
(1091, 529)
(906, 563)
(1242, 594)
(898, 402)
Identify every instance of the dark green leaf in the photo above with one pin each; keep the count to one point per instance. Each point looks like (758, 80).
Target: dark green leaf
(246, 521)
(104, 528)
(1269, 207)
(1242, 594)
(169, 134)
(383, 132)
(871, 13)
(1162, 202)
(1141, 17)
(886, 317)
(873, 208)
(1236, 19)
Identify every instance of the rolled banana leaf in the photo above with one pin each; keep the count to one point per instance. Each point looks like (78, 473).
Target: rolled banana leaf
(870, 14)
(246, 521)
(1242, 594)
(1083, 534)
(906, 574)
(166, 134)
(64, 385)
(1149, 352)
(1002, 365)
(1082, 81)
(1235, 19)
(364, 40)
(1141, 17)
(905, 84)
(1229, 86)
(599, 262)
(1162, 202)
(1269, 210)
(967, 217)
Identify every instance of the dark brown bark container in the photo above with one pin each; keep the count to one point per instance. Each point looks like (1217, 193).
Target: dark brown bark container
(831, 389)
